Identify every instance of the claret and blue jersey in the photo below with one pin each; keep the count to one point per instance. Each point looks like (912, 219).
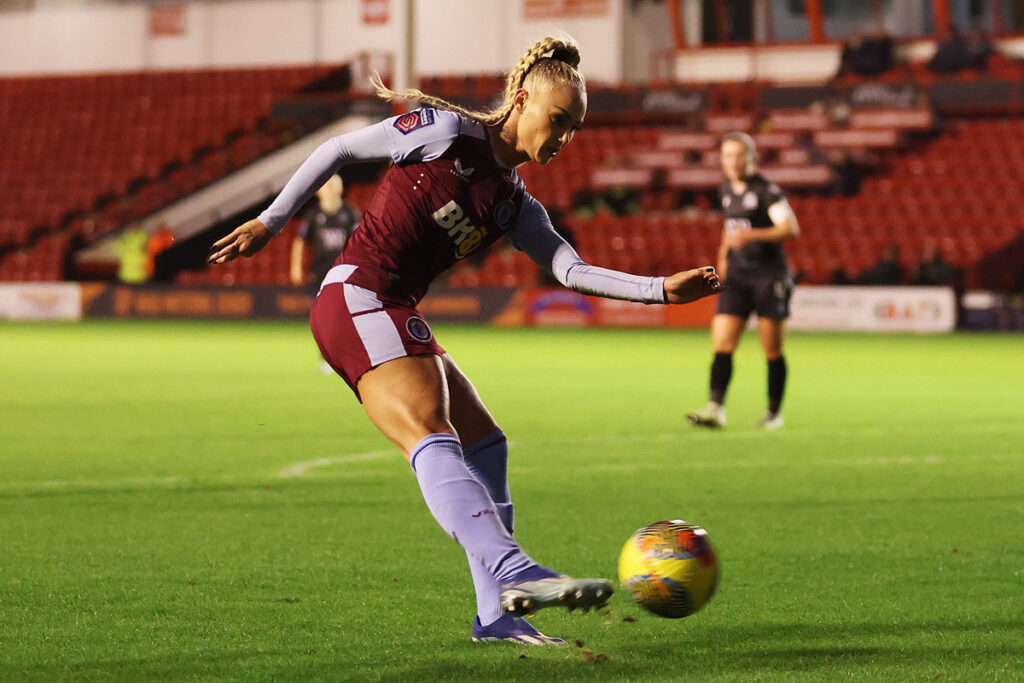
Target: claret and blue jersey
(445, 197)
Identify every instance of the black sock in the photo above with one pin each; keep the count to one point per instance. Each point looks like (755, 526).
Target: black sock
(721, 373)
(776, 383)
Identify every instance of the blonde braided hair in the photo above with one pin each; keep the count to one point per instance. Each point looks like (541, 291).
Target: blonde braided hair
(549, 61)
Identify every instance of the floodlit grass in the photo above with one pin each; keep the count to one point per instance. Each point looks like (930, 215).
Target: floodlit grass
(196, 502)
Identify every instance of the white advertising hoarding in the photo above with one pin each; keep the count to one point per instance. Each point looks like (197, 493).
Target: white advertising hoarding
(40, 301)
(873, 309)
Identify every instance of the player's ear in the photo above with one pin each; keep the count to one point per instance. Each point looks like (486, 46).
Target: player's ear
(519, 100)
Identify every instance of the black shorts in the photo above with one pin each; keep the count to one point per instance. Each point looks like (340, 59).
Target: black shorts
(767, 295)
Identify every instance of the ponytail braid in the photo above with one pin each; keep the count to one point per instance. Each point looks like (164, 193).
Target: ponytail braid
(551, 60)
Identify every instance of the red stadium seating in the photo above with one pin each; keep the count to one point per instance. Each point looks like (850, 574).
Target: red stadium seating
(83, 155)
(115, 147)
(960, 191)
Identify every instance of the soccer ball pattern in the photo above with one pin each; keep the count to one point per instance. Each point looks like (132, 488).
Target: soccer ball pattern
(669, 568)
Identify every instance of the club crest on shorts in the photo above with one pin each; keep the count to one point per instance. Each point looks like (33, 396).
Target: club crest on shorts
(418, 330)
(503, 213)
(414, 120)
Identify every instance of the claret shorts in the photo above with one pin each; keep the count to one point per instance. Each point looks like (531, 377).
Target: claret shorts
(356, 330)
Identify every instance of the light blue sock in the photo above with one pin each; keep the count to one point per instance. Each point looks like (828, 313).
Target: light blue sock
(488, 588)
(487, 460)
(463, 508)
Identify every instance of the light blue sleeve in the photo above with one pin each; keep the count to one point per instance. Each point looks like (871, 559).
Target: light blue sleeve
(383, 141)
(534, 234)
(421, 135)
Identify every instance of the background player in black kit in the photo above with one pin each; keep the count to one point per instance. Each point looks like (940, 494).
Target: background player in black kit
(758, 219)
(326, 227)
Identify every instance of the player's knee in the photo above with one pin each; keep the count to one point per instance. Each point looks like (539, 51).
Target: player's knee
(437, 424)
(772, 348)
(724, 346)
(724, 343)
(428, 418)
(410, 435)
(406, 424)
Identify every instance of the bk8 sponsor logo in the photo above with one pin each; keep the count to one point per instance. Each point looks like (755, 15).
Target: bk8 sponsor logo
(467, 236)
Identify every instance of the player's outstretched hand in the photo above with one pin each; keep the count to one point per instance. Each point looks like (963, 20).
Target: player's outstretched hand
(245, 240)
(690, 285)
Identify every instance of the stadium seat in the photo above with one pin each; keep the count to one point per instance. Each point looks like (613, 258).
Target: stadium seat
(115, 132)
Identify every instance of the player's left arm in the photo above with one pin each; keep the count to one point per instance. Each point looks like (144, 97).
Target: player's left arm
(534, 234)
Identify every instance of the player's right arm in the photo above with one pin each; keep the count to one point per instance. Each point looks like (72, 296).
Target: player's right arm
(723, 256)
(383, 141)
(723, 244)
(295, 273)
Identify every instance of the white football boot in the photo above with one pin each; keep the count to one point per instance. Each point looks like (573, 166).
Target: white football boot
(712, 415)
(540, 588)
(771, 421)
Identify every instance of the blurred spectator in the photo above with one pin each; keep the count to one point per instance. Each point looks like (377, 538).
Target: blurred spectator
(838, 275)
(585, 203)
(133, 259)
(951, 55)
(887, 271)
(933, 270)
(161, 240)
(867, 56)
(621, 201)
(835, 107)
(68, 268)
(848, 175)
(979, 48)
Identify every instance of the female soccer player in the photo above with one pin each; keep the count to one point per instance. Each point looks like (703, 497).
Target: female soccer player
(752, 264)
(452, 190)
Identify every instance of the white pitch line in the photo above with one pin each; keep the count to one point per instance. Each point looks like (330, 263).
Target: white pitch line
(98, 483)
(684, 437)
(301, 469)
(91, 483)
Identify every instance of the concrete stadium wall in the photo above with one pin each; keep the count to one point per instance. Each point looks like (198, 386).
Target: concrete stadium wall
(427, 37)
(449, 36)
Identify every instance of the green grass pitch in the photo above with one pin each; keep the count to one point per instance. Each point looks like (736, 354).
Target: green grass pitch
(196, 502)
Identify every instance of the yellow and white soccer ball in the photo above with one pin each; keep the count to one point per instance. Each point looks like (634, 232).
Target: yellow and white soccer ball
(669, 568)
